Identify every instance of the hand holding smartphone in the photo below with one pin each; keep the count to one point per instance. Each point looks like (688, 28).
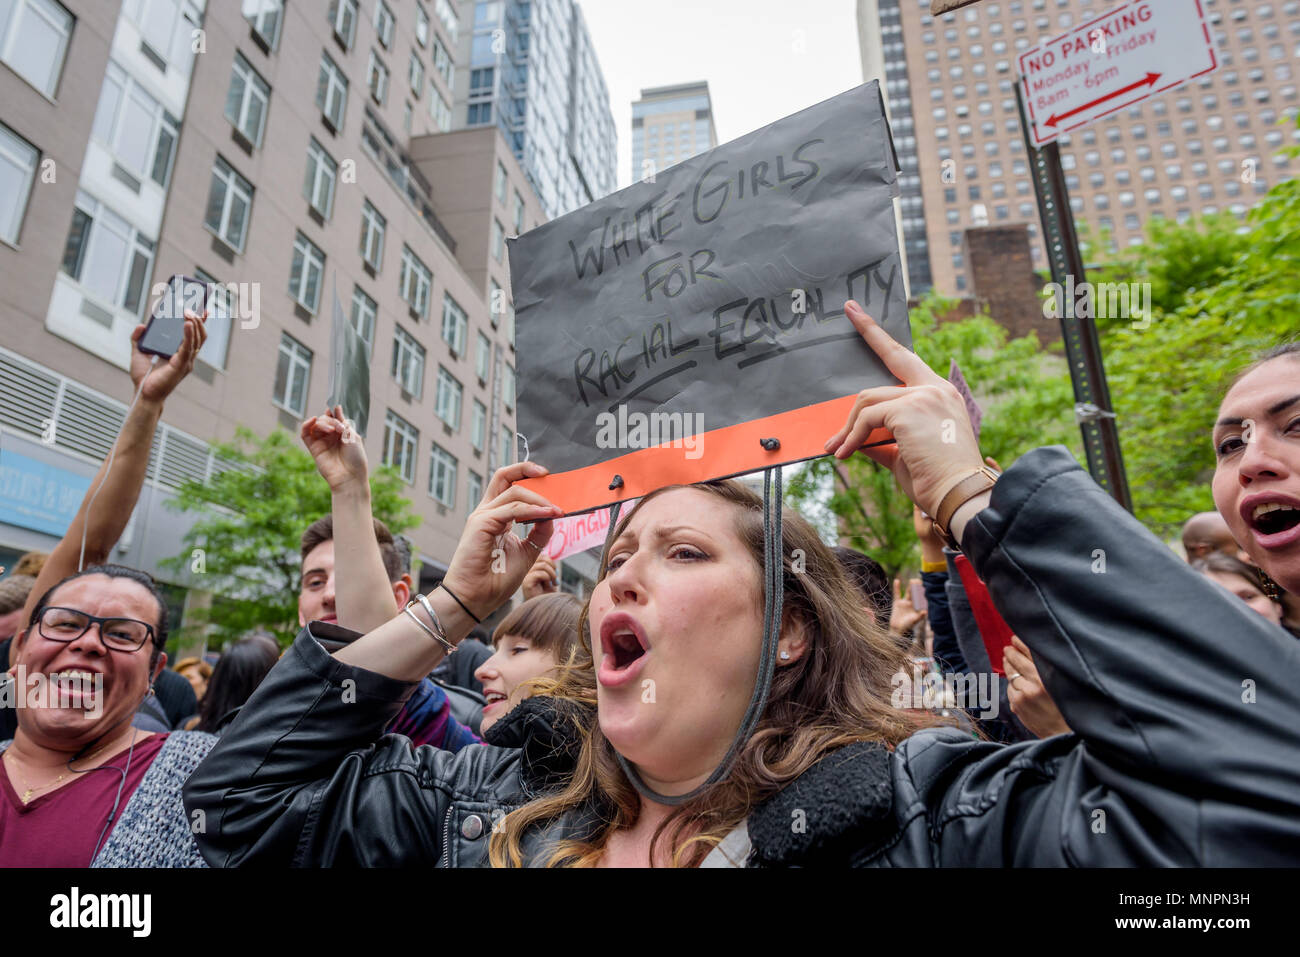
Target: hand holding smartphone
(166, 328)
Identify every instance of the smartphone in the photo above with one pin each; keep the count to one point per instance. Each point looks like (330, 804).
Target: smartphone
(917, 594)
(166, 329)
(994, 631)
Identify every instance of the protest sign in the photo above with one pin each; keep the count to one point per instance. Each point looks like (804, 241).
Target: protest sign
(577, 533)
(691, 326)
(349, 369)
(972, 407)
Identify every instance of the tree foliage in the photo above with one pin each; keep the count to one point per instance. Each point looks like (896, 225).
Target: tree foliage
(1219, 296)
(244, 548)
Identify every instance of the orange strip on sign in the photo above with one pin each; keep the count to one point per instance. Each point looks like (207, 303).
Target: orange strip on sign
(732, 450)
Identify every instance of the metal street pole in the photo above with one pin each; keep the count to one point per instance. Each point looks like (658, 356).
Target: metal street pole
(1092, 408)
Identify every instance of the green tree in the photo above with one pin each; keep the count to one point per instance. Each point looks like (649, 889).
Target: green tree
(244, 546)
(1220, 296)
(1023, 389)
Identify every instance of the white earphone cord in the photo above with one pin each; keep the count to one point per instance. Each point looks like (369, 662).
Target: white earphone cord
(112, 454)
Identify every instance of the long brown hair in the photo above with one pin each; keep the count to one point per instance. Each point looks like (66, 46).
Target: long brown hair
(838, 692)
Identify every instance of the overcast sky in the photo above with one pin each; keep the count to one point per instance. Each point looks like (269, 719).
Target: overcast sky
(763, 59)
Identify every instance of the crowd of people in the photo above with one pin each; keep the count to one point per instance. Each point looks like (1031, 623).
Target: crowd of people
(726, 696)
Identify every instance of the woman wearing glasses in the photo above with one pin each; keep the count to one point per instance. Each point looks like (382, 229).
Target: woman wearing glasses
(81, 786)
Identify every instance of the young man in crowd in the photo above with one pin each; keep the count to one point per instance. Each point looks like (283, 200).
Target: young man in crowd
(367, 579)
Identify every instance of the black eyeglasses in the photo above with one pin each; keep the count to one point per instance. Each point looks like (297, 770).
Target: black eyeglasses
(117, 634)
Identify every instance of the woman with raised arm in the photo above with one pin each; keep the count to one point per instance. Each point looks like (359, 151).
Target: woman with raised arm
(638, 760)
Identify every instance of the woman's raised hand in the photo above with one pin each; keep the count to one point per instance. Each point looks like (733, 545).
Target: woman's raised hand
(490, 561)
(935, 447)
(336, 447)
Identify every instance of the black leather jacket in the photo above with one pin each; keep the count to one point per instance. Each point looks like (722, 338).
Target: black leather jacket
(1184, 704)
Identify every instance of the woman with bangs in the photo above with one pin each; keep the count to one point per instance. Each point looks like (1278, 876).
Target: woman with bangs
(729, 706)
(529, 646)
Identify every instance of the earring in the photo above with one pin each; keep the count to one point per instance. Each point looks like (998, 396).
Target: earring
(151, 691)
(785, 656)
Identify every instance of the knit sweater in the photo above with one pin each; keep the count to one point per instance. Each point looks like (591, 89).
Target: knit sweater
(153, 830)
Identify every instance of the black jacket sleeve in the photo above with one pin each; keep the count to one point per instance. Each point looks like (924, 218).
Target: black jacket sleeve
(304, 776)
(1183, 701)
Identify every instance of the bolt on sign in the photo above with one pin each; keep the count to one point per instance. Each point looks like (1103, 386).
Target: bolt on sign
(1114, 60)
(692, 327)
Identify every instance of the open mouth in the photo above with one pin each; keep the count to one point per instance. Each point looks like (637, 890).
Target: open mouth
(493, 697)
(1270, 518)
(625, 647)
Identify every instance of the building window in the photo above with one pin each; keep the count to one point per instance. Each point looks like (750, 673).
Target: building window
(322, 173)
(507, 447)
(373, 226)
(508, 386)
(444, 65)
(343, 17)
(479, 113)
(473, 491)
(439, 111)
(306, 273)
(448, 399)
(364, 312)
(134, 127)
(292, 372)
(110, 259)
(519, 213)
(247, 100)
(483, 358)
(415, 282)
(384, 23)
(265, 16)
(18, 161)
(496, 302)
(408, 363)
(499, 188)
(377, 79)
(447, 14)
(332, 92)
(478, 425)
(230, 201)
(218, 323)
(415, 73)
(442, 477)
(498, 239)
(35, 40)
(421, 26)
(455, 325)
(401, 439)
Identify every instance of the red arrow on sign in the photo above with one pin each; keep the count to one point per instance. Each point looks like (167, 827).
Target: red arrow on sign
(1148, 80)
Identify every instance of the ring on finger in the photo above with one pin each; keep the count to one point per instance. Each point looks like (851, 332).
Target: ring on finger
(1011, 678)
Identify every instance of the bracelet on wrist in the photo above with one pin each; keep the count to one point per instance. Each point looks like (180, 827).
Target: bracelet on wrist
(976, 483)
(437, 633)
(464, 607)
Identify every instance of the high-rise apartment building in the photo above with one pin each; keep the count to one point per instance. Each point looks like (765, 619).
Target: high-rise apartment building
(530, 69)
(671, 124)
(1211, 145)
(293, 153)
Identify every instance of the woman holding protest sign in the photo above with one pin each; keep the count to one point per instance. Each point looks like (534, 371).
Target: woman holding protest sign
(702, 622)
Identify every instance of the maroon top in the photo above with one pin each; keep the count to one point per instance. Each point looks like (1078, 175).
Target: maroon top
(60, 828)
